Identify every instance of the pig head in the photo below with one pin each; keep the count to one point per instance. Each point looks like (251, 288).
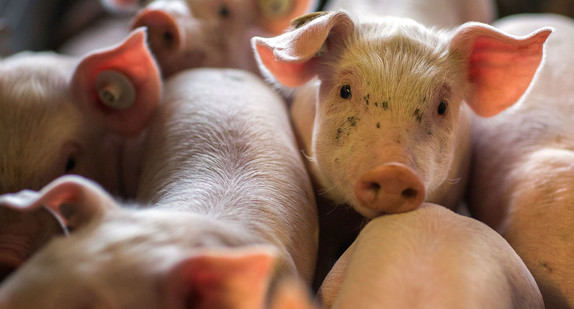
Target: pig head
(211, 33)
(126, 258)
(60, 116)
(383, 106)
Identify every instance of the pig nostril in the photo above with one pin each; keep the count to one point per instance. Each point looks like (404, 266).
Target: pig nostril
(168, 39)
(373, 186)
(5, 271)
(409, 193)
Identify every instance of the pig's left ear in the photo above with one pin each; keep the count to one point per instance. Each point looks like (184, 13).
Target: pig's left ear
(222, 278)
(73, 200)
(120, 86)
(275, 15)
(499, 67)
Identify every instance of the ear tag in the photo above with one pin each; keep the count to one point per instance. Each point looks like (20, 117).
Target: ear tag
(115, 90)
(275, 8)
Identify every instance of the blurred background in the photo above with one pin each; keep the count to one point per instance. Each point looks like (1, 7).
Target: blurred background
(47, 24)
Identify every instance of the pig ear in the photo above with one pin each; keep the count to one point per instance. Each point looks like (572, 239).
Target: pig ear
(500, 67)
(275, 15)
(74, 200)
(292, 57)
(222, 278)
(165, 34)
(292, 293)
(120, 86)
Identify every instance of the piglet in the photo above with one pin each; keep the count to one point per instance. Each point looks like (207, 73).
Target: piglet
(522, 181)
(429, 258)
(435, 13)
(214, 33)
(61, 115)
(383, 106)
(221, 175)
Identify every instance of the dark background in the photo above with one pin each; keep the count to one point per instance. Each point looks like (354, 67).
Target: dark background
(45, 24)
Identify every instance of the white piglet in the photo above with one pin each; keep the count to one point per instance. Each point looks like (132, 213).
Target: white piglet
(522, 182)
(231, 211)
(429, 258)
(383, 105)
(211, 33)
(62, 115)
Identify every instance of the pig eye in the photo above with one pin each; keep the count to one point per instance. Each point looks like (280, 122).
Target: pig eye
(345, 92)
(442, 107)
(70, 163)
(223, 11)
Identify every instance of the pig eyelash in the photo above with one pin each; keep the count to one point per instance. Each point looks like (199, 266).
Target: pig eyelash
(345, 92)
(223, 11)
(442, 107)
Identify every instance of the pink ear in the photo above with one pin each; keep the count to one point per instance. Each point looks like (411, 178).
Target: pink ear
(291, 293)
(223, 278)
(74, 200)
(275, 16)
(500, 67)
(120, 86)
(290, 57)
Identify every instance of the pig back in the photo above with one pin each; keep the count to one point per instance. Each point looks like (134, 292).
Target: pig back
(222, 145)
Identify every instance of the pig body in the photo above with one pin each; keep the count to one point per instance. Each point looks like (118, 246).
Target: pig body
(383, 104)
(211, 33)
(522, 177)
(431, 258)
(221, 172)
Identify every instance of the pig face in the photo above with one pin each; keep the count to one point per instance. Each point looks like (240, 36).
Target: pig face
(211, 33)
(121, 258)
(389, 99)
(54, 119)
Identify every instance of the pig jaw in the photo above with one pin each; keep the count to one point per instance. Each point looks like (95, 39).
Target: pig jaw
(392, 113)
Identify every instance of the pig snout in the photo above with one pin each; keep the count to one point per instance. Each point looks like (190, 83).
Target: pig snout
(390, 188)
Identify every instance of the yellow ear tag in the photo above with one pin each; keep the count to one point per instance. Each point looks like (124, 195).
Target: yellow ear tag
(115, 90)
(275, 8)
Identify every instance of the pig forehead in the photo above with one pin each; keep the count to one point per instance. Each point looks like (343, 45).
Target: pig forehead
(387, 54)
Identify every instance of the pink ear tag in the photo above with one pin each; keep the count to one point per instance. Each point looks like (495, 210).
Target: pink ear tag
(115, 90)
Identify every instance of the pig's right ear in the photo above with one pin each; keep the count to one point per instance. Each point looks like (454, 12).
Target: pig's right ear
(120, 86)
(73, 200)
(292, 57)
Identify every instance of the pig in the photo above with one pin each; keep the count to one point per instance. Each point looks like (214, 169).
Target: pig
(211, 33)
(62, 115)
(435, 13)
(433, 258)
(221, 175)
(383, 106)
(521, 179)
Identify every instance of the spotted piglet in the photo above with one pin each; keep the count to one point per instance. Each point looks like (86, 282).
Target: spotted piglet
(62, 115)
(228, 211)
(211, 33)
(384, 104)
(522, 182)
